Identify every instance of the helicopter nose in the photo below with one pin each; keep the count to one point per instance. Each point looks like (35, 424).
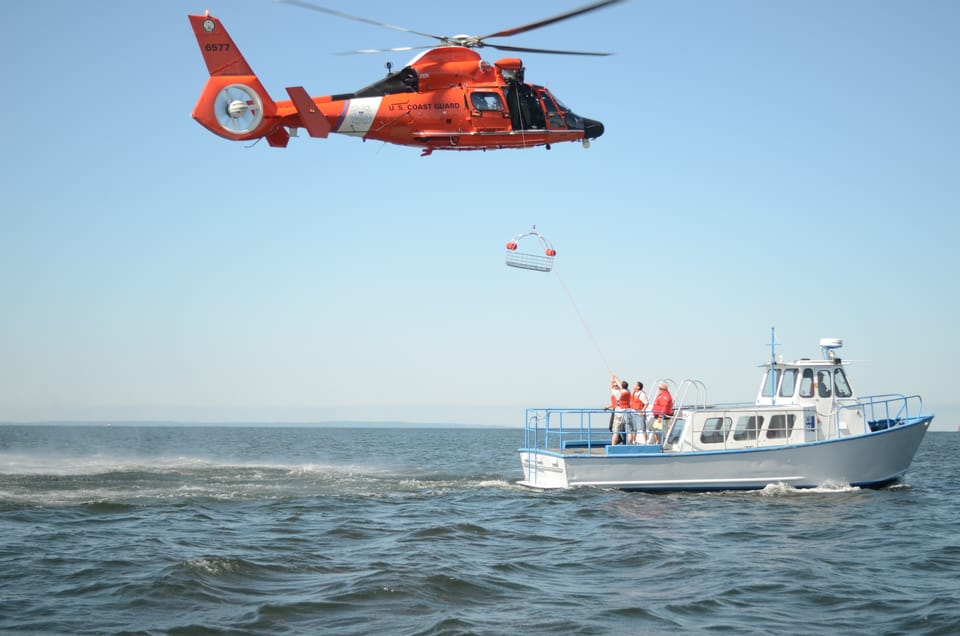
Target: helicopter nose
(591, 128)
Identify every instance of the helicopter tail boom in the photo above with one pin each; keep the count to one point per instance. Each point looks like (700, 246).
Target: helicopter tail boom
(233, 103)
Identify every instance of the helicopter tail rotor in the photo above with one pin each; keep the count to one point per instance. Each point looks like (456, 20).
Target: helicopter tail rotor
(233, 104)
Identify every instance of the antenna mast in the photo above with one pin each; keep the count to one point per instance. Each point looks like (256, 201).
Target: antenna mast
(772, 377)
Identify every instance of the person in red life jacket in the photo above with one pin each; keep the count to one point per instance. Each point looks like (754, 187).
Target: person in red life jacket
(662, 410)
(638, 402)
(620, 401)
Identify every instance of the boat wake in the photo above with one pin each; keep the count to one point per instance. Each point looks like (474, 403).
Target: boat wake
(828, 487)
(57, 480)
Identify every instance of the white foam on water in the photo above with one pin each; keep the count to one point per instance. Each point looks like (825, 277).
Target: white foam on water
(63, 466)
(827, 487)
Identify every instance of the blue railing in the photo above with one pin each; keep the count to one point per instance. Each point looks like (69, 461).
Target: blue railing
(556, 429)
(885, 411)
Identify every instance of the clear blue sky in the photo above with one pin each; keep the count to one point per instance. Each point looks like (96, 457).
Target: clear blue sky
(792, 164)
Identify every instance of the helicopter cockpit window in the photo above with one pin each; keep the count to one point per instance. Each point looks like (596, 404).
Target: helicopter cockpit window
(554, 118)
(486, 102)
(573, 120)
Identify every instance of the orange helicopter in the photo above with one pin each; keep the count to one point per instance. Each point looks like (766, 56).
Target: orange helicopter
(446, 98)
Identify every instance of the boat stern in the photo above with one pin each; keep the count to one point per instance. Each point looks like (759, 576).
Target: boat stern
(543, 469)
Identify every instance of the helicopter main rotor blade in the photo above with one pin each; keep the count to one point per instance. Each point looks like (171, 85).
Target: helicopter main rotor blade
(464, 40)
(557, 18)
(303, 4)
(524, 49)
(391, 50)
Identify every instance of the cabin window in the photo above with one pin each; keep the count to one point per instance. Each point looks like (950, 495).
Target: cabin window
(715, 430)
(486, 102)
(789, 383)
(824, 383)
(780, 426)
(806, 383)
(770, 383)
(840, 385)
(747, 427)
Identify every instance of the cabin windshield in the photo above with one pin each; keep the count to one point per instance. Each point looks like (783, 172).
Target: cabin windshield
(833, 383)
(841, 386)
(806, 383)
(824, 383)
(770, 382)
(789, 383)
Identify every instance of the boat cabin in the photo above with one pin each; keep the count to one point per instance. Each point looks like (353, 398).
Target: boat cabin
(803, 401)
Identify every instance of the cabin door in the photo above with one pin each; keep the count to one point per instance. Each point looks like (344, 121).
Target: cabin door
(526, 112)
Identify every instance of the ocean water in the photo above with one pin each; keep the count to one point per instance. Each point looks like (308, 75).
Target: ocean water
(359, 530)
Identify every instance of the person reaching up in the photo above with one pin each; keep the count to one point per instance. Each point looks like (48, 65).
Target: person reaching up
(620, 401)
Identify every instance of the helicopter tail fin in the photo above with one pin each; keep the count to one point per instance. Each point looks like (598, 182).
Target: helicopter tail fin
(233, 104)
(217, 47)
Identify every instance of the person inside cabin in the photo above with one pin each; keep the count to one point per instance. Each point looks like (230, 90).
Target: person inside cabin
(621, 425)
(638, 402)
(526, 113)
(823, 383)
(662, 411)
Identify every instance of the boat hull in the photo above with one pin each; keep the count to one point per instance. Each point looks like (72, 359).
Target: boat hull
(871, 460)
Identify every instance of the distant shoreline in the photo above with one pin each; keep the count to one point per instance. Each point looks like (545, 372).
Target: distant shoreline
(325, 424)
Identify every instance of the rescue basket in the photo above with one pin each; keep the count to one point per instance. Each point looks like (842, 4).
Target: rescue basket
(539, 262)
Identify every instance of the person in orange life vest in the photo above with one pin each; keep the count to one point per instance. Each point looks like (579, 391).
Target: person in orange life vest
(662, 409)
(638, 402)
(620, 400)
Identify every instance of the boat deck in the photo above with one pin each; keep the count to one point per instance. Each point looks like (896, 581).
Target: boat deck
(713, 428)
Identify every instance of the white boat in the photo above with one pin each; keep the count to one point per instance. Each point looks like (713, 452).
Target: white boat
(806, 429)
